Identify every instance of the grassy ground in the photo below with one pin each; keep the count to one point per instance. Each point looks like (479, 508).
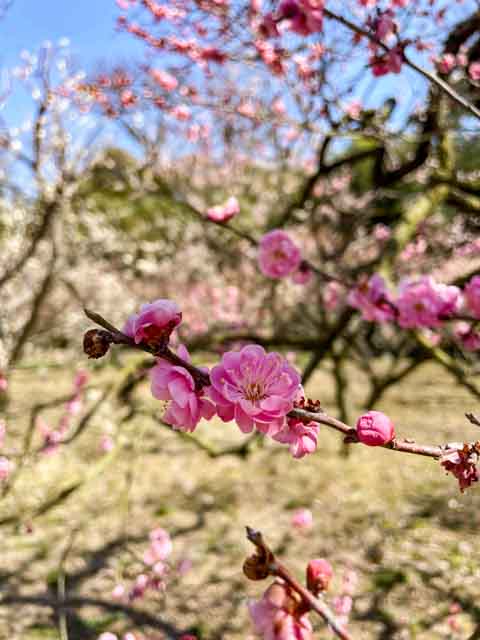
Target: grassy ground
(398, 520)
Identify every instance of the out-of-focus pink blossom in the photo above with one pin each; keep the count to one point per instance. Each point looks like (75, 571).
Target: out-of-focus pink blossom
(353, 109)
(6, 467)
(254, 388)
(319, 574)
(187, 404)
(3, 432)
(332, 295)
(106, 443)
(474, 71)
(468, 336)
(106, 635)
(278, 616)
(184, 566)
(141, 584)
(446, 63)
(154, 323)
(303, 275)
(119, 592)
(374, 428)
(181, 112)
(381, 232)
(372, 299)
(302, 519)
(425, 303)
(304, 16)
(278, 255)
(390, 62)
(224, 212)
(164, 79)
(385, 25)
(301, 437)
(349, 582)
(3, 383)
(160, 546)
(471, 292)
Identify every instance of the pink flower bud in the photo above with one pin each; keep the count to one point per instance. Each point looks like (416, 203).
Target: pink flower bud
(319, 574)
(375, 429)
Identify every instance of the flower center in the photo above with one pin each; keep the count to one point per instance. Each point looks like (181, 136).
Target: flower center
(254, 392)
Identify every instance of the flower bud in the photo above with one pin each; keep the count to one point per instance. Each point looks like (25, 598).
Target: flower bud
(319, 574)
(96, 343)
(374, 428)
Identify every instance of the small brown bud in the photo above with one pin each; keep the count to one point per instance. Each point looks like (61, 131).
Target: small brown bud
(259, 565)
(96, 343)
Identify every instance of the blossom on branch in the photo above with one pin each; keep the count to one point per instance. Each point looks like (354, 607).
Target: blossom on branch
(425, 303)
(375, 429)
(372, 299)
(224, 212)
(254, 388)
(304, 16)
(278, 255)
(187, 404)
(462, 464)
(154, 323)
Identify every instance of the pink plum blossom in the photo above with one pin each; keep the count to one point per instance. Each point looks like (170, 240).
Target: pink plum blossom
(319, 574)
(374, 428)
(278, 615)
(224, 212)
(390, 62)
(3, 383)
(304, 16)
(469, 338)
(301, 437)
(154, 323)
(474, 71)
(372, 299)
(425, 303)
(164, 79)
(160, 546)
(254, 388)
(332, 295)
(471, 293)
(302, 519)
(187, 404)
(278, 255)
(303, 275)
(6, 467)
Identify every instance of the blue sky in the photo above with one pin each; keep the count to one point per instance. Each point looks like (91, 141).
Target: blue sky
(89, 24)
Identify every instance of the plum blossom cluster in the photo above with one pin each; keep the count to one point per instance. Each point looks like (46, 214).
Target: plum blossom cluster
(421, 303)
(152, 577)
(254, 388)
(53, 436)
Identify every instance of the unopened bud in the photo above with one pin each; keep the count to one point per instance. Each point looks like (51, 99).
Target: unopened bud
(96, 343)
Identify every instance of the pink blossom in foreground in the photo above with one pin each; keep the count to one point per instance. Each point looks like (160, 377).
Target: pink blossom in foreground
(425, 303)
(254, 388)
(471, 293)
(278, 255)
(187, 405)
(372, 299)
(374, 428)
(462, 464)
(277, 615)
(301, 437)
(154, 323)
(304, 16)
(6, 467)
(319, 574)
(302, 519)
(224, 212)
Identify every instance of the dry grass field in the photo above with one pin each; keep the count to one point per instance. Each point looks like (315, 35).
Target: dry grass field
(74, 521)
